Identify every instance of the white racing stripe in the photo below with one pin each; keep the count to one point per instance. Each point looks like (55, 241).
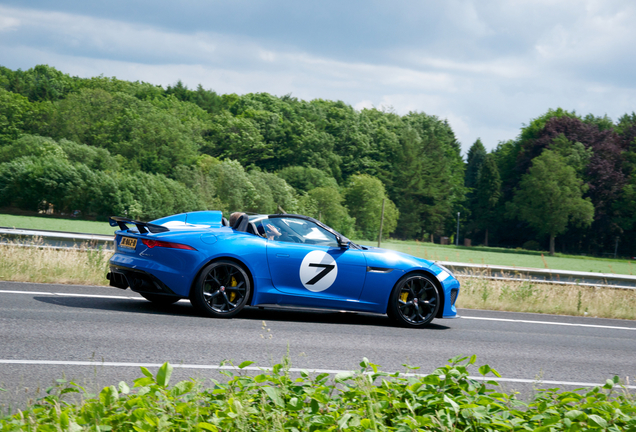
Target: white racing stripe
(549, 323)
(463, 316)
(263, 369)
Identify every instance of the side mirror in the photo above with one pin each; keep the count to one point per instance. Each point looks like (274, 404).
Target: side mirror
(343, 242)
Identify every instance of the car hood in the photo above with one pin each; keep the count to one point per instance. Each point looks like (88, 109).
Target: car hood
(385, 258)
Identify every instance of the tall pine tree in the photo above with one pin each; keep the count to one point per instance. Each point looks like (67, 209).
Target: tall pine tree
(487, 194)
(476, 158)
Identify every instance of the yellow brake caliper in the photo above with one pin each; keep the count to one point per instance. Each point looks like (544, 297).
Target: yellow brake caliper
(404, 296)
(233, 294)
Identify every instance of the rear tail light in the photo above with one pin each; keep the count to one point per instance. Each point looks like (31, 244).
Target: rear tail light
(158, 243)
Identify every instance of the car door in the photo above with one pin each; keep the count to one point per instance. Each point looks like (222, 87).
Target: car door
(305, 260)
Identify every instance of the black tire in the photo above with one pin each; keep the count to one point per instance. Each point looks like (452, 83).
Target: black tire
(222, 290)
(414, 301)
(163, 300)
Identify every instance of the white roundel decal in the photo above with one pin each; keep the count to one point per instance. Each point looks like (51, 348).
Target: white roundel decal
(318, 271)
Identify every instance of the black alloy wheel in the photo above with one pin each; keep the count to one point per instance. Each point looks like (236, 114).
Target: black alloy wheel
(222, 289)
(414, 301)
(159, 299)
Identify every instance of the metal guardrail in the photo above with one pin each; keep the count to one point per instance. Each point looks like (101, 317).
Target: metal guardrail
(561, 277)
(65, 240)
(55, 239)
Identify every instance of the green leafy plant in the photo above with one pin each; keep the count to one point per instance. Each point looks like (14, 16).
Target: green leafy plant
(366, 399)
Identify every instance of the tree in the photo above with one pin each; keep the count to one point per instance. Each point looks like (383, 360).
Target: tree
(331, 211)
(364, 197)
(233, 187)
(429, 184)
(475, 160)
(151, 136)
(272, 193)
(550, 197)
(304, 179)
(604, 173)
(13, 110)
(488, 192)
(476, 157)
(41, 83)
(236, 138)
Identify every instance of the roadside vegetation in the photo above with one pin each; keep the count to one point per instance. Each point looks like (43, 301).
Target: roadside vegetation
(364, 400)
(515, 296)
(48, 265)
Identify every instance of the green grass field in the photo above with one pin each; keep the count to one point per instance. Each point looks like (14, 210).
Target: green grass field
(476, 255)
(55, 224)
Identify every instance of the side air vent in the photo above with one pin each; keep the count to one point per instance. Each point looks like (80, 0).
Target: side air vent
(379, 270)
(453, 296)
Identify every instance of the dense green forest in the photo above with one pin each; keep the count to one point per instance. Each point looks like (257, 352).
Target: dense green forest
(100, 146)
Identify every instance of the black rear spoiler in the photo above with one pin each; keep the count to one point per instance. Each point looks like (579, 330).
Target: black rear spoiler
(143, 227)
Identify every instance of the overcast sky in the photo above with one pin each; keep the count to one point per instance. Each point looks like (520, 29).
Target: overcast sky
(486, 66)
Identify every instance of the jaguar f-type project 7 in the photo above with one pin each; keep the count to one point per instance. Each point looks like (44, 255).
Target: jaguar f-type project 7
(271, 261)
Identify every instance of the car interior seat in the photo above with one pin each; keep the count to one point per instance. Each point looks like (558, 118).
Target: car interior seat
(251, 228)
(241, 223)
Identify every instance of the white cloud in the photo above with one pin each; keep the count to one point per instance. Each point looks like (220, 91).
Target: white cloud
(487, 66)
(8, 23)
(365, 104)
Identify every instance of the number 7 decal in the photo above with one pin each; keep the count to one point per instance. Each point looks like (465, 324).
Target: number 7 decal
(322, 274)
(318, 271)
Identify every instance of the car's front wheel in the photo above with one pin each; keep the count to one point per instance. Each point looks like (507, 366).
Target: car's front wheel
(221, 290)
(414, 301)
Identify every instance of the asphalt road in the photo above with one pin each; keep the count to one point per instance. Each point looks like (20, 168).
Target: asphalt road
(92, 334)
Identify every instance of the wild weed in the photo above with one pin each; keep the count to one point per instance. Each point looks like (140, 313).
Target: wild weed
(366, 399)
(524, 296)
(37, 263)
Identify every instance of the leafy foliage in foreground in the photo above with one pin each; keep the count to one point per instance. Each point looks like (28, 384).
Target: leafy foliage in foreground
(365, 400)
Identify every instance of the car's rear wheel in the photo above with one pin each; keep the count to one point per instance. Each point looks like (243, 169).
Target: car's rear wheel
(221, 290)
(163, 300)
(414, 301)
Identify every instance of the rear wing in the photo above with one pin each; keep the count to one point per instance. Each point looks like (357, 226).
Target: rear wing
(143, 227)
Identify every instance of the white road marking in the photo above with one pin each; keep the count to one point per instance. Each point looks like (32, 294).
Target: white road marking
(262, 369)
(462, 317)
(81, 295)
(72, 295)
(550, 323)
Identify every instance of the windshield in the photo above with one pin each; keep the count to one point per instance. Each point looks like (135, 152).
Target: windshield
(295, 230)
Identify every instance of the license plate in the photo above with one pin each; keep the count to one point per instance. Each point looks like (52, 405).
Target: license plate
(128, 242)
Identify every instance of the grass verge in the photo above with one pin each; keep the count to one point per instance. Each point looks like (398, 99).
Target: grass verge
(365, 400)
(55, 224)
(65, 266)
(513, 296)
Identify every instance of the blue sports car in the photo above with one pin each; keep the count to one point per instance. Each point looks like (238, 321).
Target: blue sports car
(274, 260)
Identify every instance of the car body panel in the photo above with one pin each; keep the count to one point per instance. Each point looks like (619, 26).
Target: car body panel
(347, 268)
(345, 277)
